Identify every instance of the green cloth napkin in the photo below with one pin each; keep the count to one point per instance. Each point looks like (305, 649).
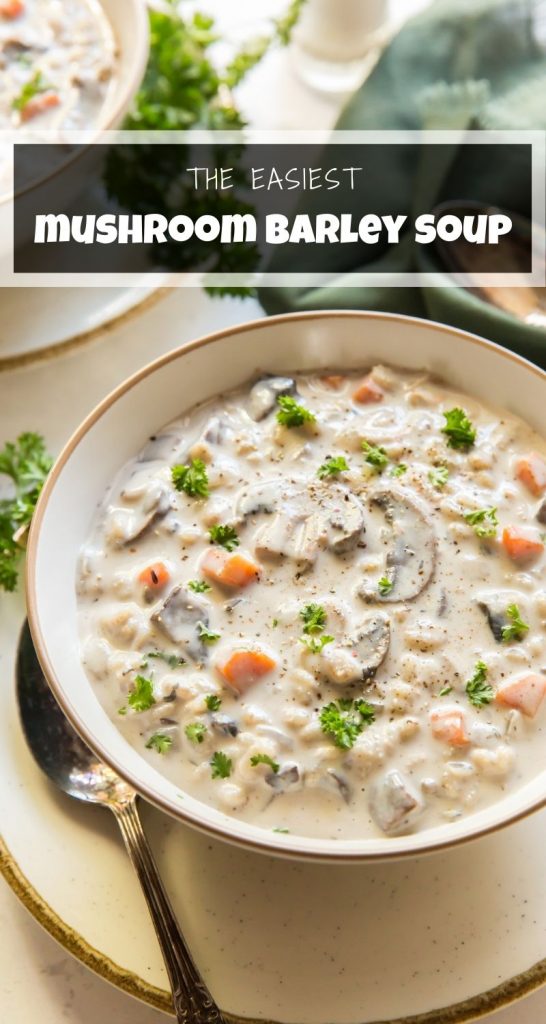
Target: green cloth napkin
(460, 64)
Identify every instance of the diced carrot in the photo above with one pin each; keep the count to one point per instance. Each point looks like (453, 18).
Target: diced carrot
(155, 576)
(38, 104)
(333, 380)
(525, 693)
(231, 570)
(531, 470)
(368, 391)
(11, 8)
(522, 543)
(243, 668)
(448, 725)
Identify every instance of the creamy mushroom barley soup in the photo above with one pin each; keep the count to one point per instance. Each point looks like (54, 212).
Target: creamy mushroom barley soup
(316, 603)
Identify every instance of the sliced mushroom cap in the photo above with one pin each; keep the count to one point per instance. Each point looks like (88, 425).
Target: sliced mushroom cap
(310, 518)
(359, 656)
(541, 513)
(223, 725)
(126, 525)
(411, 559)
(264, 394)
(180, 617)
(394, 804)
(288, 777)
(215, 431)
(494, 605)
(261, 497)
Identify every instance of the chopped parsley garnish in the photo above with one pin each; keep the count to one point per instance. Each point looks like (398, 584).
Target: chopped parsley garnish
(313, 617)
(160, 742)
(445, 690)
(517, 628)
(195, 732)
(343, 720)
(291, 414)
(282, 831)
(458, 429)
(264, 759)
(192, 479)
(274, 623)
(205, 636)
(172, 660)
(226, 536)
(332, 467)
(213, 702)
(439, 476)
(385, 586)
(141, 696)
(484, 521)
(27, 464)
(399, 470)
(478, 691)
(199, 586)
(315, 644)
(32, 88)
(376, 457)
(221, 765)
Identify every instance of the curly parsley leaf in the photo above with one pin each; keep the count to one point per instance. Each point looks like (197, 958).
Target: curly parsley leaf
(376, 457)
(458, 429)
(517, 628)
(343, 720)
(332, 467)
(315, 644)
(313, 617)
(199, 586)
(484, 521)
(195, 732)
(141, 696)
(27, 463)
(205, 635)
(225, 536)
(160, 742)
(478, 690)
(192, 479)
(34, 87)
(399, 470)
(384, 586)
(221, 765)
(213, 702)
(291, 414)
(439, 477)
(264, 759)
(172, 660)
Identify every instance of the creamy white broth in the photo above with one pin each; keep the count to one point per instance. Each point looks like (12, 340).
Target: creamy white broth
(57, 61)
(416, 604)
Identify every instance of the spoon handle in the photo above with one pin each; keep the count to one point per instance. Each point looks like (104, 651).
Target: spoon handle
(192, 1001)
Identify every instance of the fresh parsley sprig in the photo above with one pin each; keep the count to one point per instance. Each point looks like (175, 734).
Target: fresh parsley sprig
(458, 429)
(439, 477)
(517, 628)
(160, 742)
(196, 731)
(484, 521)
(27, 463)
(343, 720)
(265, 759)
(291, 414)
(225, 536)
(191, 478)
(221, 765)
(199, 586)
(375, 456)
(333, 467)
(313, 617)
(478, 690)
(140, 696)
(315, 644)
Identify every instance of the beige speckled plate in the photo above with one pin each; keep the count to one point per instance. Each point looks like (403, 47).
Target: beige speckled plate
(443, 939)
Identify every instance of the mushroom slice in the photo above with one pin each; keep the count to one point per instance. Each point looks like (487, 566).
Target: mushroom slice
(344, 519)
(264, 394)
(493, 604)
(288, 777)
(258, 498)
(125, 525)
(360, 656)
(180, 617)
(541, 513)
(394, 804)
(411, 561)
(223, 724)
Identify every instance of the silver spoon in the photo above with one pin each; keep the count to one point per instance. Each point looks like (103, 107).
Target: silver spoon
(71, 765)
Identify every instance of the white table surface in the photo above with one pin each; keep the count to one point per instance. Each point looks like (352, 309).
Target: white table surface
(38, 980)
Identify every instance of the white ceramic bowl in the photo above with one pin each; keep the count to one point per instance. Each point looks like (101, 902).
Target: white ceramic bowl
(118, 428)
(130, 26)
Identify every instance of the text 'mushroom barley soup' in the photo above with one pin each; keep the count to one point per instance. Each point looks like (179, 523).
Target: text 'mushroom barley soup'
(316, 603)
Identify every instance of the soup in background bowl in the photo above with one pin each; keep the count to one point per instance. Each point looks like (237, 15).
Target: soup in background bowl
(311, 607)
